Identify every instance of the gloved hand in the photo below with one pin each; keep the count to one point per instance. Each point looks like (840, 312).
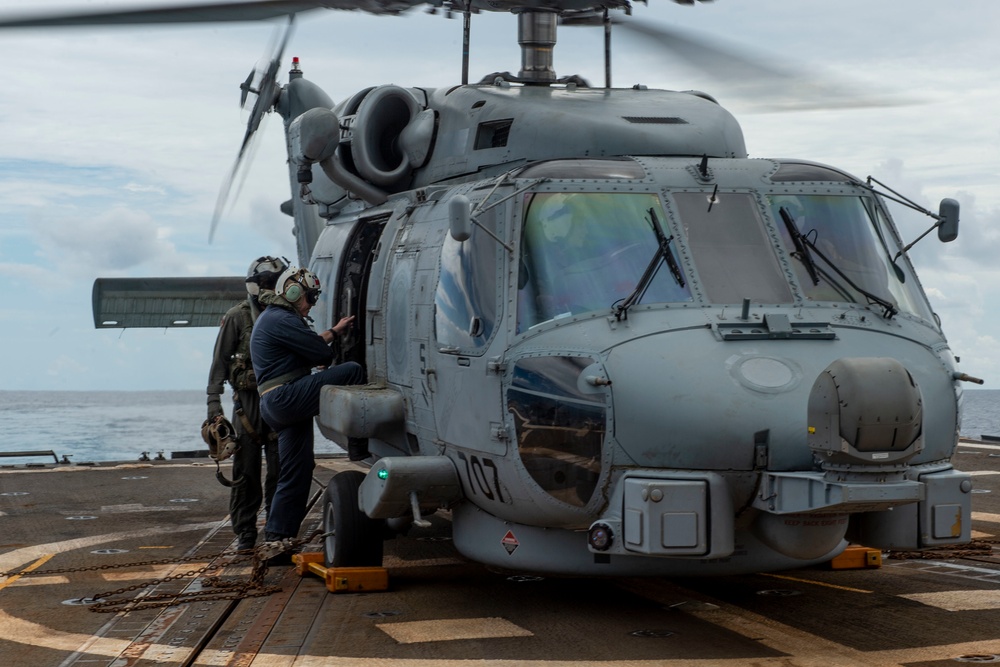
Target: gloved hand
(214, 406)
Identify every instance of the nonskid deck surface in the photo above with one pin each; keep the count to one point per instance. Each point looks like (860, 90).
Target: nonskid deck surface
(440, 609)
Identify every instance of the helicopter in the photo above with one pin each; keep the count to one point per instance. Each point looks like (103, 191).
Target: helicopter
(623, 348)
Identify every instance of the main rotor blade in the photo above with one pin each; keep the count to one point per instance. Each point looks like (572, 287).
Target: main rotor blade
(766, 86)
(261, 10)
(254, 10)
(268, 91)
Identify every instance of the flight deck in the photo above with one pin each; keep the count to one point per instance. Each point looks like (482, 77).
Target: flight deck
(151, 541)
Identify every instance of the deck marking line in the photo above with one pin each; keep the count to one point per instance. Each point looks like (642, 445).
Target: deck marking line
(931, 564)
(34, 566)
(138, 508)
(814, 582)
(933, 653)
(41, 581)
(156, 572)
(806, 647)
(13, 559)
(978, 445)
(450, 629)
(981, 473)
(20, 631)
(961, 600)
(986, 517)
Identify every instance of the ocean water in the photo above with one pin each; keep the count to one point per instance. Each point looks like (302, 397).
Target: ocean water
(107, 425)
(980, 413)
(122, 425)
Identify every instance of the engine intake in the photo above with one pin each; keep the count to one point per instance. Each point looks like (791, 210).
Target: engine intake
(383, 151)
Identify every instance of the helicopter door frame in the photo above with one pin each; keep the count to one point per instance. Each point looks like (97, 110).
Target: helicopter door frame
(471, 359)
(353, 278)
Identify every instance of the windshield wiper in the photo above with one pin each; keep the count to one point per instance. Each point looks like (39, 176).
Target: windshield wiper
(662, 253)
(890, 308)
(801, 248)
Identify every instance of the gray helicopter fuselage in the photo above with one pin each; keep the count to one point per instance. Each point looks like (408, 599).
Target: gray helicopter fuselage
(591, 397)
(400, 139)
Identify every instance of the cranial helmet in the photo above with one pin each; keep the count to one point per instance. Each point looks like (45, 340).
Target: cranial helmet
(557, 218)
(295, 283)
(263, 274)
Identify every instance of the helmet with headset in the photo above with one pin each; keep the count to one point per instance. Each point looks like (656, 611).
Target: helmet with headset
(263, 274)
(295, 283)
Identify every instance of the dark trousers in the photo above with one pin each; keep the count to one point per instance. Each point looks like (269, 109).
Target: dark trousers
(289, 409)
(246, 494)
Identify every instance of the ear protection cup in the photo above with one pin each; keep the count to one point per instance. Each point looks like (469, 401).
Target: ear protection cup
(293, 292)
(295, 283)
(284, 285)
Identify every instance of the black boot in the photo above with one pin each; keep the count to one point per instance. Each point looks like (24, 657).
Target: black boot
(357, 449)
(283, 558)
(246, 540)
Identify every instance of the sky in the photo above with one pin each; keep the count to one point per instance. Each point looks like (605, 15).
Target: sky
(114, 144)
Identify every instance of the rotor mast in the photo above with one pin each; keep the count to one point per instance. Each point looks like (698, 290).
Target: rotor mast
(536, 33)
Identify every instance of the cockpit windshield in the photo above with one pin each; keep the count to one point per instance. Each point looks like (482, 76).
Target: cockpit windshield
(583, 252)
(586, 252)
(847, 255)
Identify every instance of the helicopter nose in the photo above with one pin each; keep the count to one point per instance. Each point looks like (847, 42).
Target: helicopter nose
(683, 401)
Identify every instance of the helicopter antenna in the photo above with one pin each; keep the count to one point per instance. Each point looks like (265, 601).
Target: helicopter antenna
(466, 31)
(607, 49)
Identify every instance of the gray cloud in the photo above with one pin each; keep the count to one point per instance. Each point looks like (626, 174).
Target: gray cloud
(114, 240)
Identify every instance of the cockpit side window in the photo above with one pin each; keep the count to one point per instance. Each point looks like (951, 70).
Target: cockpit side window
(465, 312)
(584, 252)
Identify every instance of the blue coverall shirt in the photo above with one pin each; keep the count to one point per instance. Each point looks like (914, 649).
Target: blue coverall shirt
(282, 343)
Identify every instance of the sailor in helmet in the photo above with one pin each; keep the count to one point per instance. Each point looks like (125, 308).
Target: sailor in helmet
(285, 350)
(253, 437)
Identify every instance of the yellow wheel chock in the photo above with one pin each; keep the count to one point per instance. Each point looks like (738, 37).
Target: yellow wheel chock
(342, 579)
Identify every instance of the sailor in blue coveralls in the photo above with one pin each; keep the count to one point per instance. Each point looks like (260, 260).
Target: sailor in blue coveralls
(284, 350)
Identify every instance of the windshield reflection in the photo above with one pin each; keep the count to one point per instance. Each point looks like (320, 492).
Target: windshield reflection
(852, 247)
(583, 252)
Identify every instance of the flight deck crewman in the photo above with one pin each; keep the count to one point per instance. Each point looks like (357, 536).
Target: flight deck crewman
(231, 363)
(285, 350)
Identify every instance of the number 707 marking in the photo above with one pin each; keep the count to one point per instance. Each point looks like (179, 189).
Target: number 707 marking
(475, 471)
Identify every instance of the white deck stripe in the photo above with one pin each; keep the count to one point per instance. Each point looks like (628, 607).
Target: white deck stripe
(962, 600)
(995, 448)
(450, 629)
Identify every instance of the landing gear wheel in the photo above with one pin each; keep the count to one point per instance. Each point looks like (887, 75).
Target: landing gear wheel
(356, 539)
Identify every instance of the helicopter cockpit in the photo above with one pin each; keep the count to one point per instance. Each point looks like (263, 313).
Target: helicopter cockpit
(584, 252)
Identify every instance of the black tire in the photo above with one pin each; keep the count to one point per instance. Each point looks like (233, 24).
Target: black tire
(356, 539)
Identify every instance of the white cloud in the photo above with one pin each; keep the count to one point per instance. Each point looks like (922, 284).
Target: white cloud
(145, 188)
(115, 240)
